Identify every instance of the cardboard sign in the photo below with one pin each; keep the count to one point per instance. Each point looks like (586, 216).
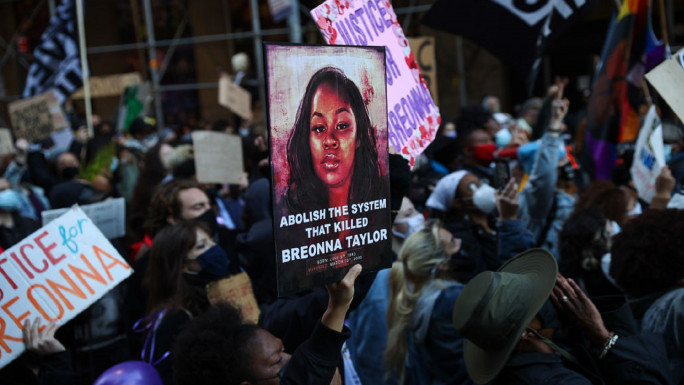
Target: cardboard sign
(327, 110)
(109, 216)
(234, 97)
(649, 156)
(218, 157)
(54, 273)
(36, 117)
(668, 79)
(424, 50)
(236, 290)
(6, 142)
(412, 115)
(111, 85)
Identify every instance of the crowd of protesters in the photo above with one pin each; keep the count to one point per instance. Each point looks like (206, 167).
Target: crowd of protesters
(510, 265)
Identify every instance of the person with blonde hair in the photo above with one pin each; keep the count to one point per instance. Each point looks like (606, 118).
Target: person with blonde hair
(422, 345)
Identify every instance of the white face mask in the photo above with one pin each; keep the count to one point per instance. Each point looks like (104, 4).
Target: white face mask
(415, 223)
(484, 198)
(615, 229)
(503, 137)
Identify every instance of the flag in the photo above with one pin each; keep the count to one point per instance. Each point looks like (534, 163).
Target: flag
(516, 31)
(56, 62)
(612, 113)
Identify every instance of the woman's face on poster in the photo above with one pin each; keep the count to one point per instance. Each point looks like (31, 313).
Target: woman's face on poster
(332, 136)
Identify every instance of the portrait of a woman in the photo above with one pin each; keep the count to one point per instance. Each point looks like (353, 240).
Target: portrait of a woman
(331, 151)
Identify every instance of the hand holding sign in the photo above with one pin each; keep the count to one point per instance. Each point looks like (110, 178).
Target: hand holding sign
(41, 341)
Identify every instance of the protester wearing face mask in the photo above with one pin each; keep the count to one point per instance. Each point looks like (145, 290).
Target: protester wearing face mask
(408, 221)
(13, 226)
(465, 204)
(183, 260)
(422, 345)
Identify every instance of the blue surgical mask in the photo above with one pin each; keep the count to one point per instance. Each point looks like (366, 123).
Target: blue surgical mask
(503, 138)
(214, 263)
(667, 150)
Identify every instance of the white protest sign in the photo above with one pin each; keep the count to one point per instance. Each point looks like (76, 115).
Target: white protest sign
(649, 156)
(668, 79)
(234, 97)
(6, 143)
(218, 157)
(109, 216)
(54, 274)
(413, 117)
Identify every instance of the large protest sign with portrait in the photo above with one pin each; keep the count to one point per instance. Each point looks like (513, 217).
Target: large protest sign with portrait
(329, 156)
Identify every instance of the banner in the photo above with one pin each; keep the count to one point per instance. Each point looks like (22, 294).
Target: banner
(424, 49)
(412, 115)
(109, 216)
(668, 80)
(329, 157)
(110, 85)
(57, 64)
(218, 157)
(54, 274)
(234, 97)
(36, 117)
(649, 156)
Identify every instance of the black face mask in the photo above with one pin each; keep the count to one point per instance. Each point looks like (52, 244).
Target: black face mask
(209, 219)
(70, 173)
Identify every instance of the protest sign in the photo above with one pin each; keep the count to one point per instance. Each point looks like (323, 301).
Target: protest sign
(6, 142)
(218, 157)
(649, 156)
(234, 97)
(668, 79)
(110, 85)
(36, 117)
(54, 274)
(329, 156)
(135, 101)
(109, 216)
(236, 290)
(280, 9)
(424, 51)
(413, 116)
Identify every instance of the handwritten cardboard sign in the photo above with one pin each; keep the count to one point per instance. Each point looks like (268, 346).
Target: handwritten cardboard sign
(218, 157)
(327, 109)
(649, 156)
(236, 290)
(234, 97)
(109, 216)
(412, 115)
(36, 117)
(54, 273)
(424, 50)
(668, 79)
(6, 142)
(110, 85)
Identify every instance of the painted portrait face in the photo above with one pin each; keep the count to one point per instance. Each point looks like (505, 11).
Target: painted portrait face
(332, 137)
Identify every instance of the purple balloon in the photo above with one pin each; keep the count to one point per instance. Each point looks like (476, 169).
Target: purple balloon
(130, 373)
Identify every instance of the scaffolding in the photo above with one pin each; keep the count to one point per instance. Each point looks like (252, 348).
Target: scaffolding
(294, 30)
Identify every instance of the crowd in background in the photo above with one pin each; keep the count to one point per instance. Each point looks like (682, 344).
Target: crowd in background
(604, 304)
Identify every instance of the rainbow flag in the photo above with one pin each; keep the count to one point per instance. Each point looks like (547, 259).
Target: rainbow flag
(612, 114)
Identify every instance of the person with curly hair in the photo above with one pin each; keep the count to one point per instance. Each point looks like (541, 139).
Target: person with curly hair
(648, 264)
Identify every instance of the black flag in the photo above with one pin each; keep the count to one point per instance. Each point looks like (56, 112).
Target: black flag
(517, 31)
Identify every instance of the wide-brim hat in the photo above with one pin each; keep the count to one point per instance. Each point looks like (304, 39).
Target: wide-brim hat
(494, 309)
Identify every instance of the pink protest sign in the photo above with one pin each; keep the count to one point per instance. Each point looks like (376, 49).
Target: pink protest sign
(413, 117)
